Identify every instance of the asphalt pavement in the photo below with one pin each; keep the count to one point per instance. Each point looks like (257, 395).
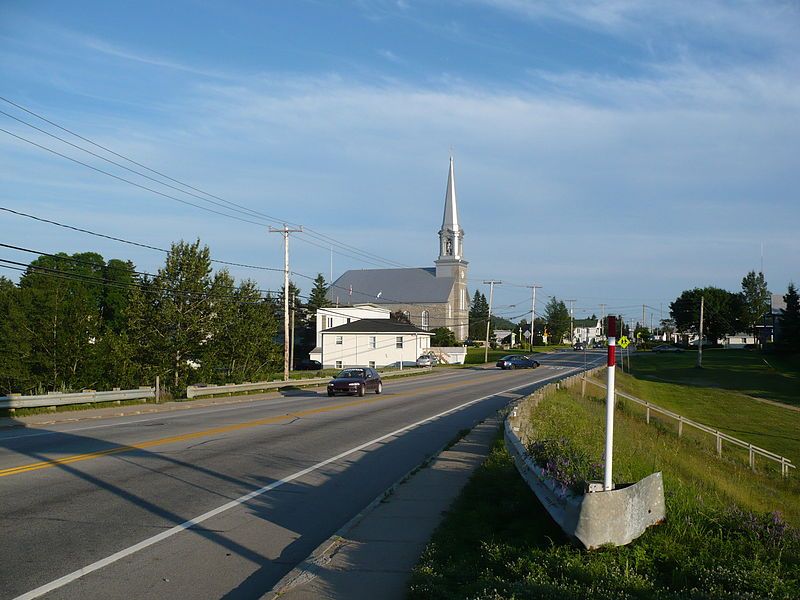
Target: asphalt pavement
(225, 500)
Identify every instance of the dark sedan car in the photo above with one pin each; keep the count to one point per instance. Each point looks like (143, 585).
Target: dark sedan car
(308, 365)
(517, 361)
(356, 381)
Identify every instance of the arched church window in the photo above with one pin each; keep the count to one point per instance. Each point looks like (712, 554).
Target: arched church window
(425, 319)
(449, 247)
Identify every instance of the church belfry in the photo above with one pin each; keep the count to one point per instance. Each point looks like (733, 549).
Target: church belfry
(451, 261)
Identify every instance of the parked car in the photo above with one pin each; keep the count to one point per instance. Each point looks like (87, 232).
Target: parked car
(427, 360)
(358, 380)
(308, 365)
(579, 346)
(667, 348)
(598, 345)
(517, 361)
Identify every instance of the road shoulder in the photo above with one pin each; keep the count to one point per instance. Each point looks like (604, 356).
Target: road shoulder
(373, 555)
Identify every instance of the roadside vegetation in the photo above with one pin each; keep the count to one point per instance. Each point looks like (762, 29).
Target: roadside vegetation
(730, 533)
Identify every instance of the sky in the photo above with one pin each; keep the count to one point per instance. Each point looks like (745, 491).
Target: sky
(613, 152)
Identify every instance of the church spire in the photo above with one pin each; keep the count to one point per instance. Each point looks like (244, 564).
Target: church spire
(450, 235)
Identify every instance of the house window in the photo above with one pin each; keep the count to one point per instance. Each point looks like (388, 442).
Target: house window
(372, 364)
(338, 340)
(398, 341)
(744, 340)
(425, 319)
(330, 322)
(338, 364)
(373, 342)
(348, 319)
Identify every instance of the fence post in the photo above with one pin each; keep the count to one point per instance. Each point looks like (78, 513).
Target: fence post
(680, 426)
(784, 468)
(583, 386)
(647, 408)
(752, 457)
(719, 444)
(158, 389)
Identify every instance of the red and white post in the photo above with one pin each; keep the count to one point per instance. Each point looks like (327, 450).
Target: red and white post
(610, 394)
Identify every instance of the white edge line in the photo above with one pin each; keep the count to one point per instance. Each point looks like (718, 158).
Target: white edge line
(104, 562)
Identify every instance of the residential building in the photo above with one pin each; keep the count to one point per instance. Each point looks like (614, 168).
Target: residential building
(587, 331)
(372, 343)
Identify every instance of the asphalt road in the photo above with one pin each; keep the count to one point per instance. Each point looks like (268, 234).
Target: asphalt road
(221, 502)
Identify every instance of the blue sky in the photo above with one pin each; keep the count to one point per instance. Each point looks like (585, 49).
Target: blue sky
(613, 152)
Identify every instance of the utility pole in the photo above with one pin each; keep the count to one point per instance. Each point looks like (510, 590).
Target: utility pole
(285, 232)
(491, 283)
(571, 334)
(644, 323)
(291, 347)
(533, 288)
(700, 341)
(602, 319)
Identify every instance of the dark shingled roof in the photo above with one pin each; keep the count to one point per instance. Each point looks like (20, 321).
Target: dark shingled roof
(395, 286)
(375, 326)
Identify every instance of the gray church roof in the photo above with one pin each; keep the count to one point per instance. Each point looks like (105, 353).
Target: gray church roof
(391, 286)
(376, 326)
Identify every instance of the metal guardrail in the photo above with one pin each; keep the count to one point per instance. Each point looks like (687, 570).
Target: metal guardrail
(196, 391)
(14, 401)
(753, 451)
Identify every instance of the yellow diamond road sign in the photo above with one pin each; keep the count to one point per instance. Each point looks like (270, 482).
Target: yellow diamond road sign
(624, 341)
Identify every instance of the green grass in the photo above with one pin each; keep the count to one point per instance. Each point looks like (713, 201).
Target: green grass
(497, 541)
(672, 382)
(475, 355)
(745, 371)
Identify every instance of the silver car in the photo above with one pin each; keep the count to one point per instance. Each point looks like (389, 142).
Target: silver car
(427, 360)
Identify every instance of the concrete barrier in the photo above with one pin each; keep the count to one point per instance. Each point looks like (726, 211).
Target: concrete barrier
(593, 519)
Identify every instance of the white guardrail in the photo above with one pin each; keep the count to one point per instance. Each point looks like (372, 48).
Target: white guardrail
(195, 391)
(14, 401)
(753, 451)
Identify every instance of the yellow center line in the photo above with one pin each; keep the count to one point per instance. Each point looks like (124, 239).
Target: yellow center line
(46, 464)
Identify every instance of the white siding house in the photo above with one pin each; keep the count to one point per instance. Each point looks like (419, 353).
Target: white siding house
(372, 343)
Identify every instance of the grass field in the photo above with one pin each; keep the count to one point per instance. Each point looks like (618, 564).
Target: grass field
(722, 394)
(721, 539)
(745, 371)
(475, 355)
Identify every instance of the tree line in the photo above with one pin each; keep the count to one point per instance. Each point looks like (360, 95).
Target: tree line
(726, 312)
(78, 321)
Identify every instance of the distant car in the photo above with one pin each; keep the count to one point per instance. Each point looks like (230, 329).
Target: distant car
(517, 361)
(308, 365)
(427, 360)
(358, 380)
(598, 345)
(667, 348)
(579, 346)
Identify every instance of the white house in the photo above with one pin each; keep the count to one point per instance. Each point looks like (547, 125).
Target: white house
(370, 343)
(587, 331)
(333, 317)
(739, 340)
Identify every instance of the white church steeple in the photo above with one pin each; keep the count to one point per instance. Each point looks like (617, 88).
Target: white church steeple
(451, 235)
(451, 261)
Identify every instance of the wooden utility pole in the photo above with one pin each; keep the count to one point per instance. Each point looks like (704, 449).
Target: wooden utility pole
(491, 283)
(571, 333)
(291, 347)
(700, 341)
(533, 287)
(285, 232)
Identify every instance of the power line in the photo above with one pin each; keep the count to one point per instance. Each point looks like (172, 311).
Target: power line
(242, 209)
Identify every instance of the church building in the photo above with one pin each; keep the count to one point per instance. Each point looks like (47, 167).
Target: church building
(431, 297)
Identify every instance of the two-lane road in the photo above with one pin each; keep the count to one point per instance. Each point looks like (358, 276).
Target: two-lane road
(222, 501)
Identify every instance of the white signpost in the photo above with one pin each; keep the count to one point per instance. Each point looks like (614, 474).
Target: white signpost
(612, 359)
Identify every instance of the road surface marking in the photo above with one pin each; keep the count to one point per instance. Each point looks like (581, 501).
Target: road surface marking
(47, 464)
(104, 562)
